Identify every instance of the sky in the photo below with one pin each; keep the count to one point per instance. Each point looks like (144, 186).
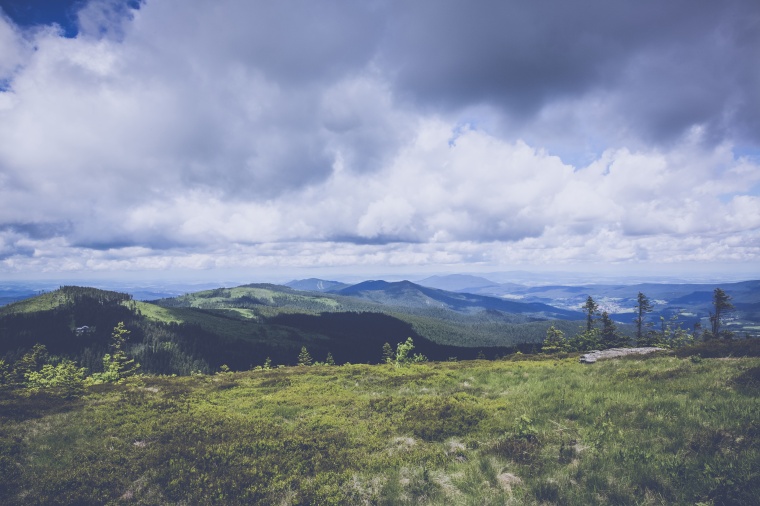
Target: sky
(257, 138)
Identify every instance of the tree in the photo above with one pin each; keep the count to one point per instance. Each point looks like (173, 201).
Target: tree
(643, 306)
(388, 354)
(117, 365)
(591, 309)
(697, 330)
(31, 361)
(402, 354)
(329, 360)
(722, 305)
(555, 340)
(680, 338)
(609, 337)
(126, 366)
(5, 373)
(304, 358)
(585, 341)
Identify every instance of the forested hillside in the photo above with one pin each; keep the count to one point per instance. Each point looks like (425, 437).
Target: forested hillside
(242, 327)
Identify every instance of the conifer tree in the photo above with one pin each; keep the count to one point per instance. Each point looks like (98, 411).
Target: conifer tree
(32, 361)
(643, 306)
(610, 337)
(555, 340)
(117, 365)
(329, 360)
(388, 354)
(721, 304)
(125, 366)
(304, 358)
(591, 309)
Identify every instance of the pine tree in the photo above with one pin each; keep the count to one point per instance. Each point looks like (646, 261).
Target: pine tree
(388, 354)
(32, 361)
(555, 340)
(329, 360)
(304, 358)
(126, 366)
(610, 337)
(643, 306)
(591, 309)
(117, 365)
(722, 304)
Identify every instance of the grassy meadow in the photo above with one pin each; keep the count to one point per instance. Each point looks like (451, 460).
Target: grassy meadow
(529, 430)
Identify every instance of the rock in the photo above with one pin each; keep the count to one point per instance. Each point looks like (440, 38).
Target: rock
(594, 355)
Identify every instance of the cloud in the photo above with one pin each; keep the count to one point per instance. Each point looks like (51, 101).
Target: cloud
(337, 133)
(657, 69)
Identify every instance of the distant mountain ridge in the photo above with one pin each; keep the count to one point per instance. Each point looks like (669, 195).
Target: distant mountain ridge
(457, 282)
(693, 301)
(243, 325)
(408, 294)
(315, 285)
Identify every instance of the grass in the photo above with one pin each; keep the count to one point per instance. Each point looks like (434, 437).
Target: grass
(42, 302)
(661, 430)
(160, 314)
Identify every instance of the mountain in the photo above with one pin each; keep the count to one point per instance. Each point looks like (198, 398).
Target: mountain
(690, 303)
(315, 285)
(411, 295)
(457, 282)
(241, 326)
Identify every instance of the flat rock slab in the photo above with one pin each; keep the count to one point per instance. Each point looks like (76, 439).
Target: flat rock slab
(594, 355)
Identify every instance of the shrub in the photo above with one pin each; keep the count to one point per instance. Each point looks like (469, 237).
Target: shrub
(64, 379)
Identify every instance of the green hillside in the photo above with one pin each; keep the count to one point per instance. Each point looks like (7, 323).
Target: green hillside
(284, 306)
(661, 430)
(241, 327)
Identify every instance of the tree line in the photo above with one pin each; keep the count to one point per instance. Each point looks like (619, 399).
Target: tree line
(600, 331)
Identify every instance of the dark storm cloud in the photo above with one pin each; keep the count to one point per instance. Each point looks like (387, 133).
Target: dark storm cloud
(674, 64)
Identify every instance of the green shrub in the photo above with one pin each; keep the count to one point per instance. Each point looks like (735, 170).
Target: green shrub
(64, 379)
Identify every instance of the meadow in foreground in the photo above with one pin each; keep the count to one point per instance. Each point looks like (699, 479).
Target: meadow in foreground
(660, 430)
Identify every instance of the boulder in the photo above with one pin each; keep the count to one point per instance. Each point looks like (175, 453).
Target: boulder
(594, 355)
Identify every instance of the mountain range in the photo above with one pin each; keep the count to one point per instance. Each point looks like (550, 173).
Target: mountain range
(243, 325)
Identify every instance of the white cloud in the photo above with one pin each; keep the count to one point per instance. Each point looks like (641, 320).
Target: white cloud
(236, 134)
